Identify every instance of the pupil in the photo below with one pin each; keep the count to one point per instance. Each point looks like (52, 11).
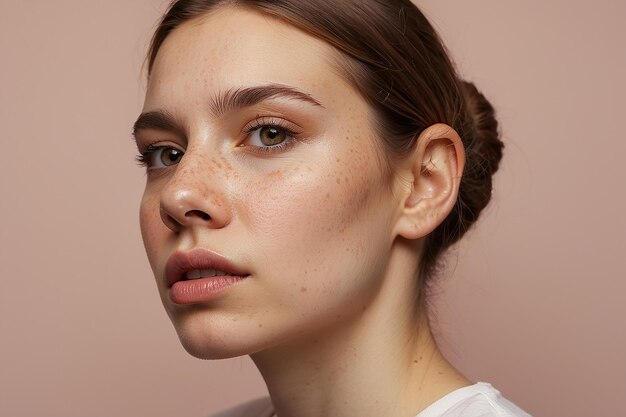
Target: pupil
(272, 136)
(170, 156)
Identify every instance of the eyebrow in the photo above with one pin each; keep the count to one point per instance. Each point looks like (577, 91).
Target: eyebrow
(225, 102)
(159, 120)
(245, 97)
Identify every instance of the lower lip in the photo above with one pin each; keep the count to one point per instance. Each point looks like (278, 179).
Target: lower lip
(201, 289)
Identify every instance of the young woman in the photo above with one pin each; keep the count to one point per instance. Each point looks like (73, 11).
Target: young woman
(308, 162)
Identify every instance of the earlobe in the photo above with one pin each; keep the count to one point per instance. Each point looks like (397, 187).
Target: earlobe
(436, 166)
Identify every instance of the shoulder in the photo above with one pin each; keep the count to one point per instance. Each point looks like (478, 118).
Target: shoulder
(261, 407)
(478, 400)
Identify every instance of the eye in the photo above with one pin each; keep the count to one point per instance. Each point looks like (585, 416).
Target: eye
(168, 156)
(268, 135)
(271, 136)
(155, 157)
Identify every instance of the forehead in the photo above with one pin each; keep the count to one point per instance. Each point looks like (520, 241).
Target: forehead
(233, 47)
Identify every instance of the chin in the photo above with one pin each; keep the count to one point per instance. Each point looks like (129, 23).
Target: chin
(207, 347)
(209, 352)
(217, 339)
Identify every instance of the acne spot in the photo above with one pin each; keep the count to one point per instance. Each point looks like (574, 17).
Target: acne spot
(260, 325)
(303, 289)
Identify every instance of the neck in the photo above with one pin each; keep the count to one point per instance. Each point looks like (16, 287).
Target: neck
(381, 362)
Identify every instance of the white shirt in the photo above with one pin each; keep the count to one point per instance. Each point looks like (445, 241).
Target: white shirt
(478, 400)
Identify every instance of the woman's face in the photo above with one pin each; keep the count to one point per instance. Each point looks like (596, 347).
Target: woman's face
(260, 153)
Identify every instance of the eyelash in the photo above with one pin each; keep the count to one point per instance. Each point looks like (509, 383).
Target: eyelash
(144, 156)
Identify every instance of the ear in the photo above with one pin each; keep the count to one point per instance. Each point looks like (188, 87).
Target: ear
(435, 168)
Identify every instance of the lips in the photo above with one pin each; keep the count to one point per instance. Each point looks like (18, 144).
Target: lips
(199, 263)
(200, 276)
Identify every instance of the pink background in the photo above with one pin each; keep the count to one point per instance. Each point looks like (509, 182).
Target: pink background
(533, 302)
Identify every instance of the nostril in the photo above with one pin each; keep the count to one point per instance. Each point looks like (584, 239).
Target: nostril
(198, 213)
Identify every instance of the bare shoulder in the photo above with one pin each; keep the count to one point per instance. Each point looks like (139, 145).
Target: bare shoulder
(260, 407)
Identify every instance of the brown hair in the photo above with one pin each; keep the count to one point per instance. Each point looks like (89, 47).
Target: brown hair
(397, 62)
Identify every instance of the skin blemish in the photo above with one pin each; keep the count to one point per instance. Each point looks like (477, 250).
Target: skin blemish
(303, 289)
(275, 175)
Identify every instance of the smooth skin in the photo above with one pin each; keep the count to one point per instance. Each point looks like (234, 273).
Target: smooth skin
(330, 237)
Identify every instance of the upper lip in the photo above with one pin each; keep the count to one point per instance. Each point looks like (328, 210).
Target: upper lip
(179, 263)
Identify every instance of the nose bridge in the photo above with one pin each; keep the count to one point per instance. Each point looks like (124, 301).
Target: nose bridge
(194, 194)
(194, 172)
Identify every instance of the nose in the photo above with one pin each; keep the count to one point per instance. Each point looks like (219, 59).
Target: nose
(192, 196)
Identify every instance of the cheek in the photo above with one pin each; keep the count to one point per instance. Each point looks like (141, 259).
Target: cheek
(305, 203)
(314, 225)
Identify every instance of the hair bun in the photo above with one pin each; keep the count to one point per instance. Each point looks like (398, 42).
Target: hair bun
(483, 152)
(486, 143)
